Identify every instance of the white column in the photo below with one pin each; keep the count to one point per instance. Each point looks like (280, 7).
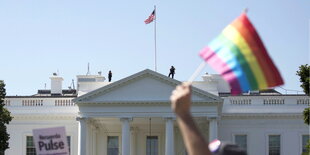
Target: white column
(133, 140)
(83, 129)
(169, 136)
(90, 138)
(94, 139)
(125, 136)
(212, 128)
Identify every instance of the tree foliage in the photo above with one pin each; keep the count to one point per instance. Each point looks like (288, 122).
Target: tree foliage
(308, 149)
(5, 118)
(306, 119)
(304, 77)
(303, 73)
(306, 115)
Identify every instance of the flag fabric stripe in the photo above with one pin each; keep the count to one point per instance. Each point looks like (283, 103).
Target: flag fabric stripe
(252, 38)
(221, 67)
(227, 54)
(240, 57)
(232, 34)
(150, 18)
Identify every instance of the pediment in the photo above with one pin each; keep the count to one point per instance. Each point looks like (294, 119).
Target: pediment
(145, 86)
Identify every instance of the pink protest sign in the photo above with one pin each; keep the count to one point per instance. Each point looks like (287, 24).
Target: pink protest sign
(51, 141)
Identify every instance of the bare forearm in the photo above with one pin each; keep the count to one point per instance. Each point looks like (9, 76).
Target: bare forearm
(181, 103)
(194, 141)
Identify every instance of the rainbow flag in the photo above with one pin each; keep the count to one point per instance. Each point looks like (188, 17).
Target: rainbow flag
(239, 55)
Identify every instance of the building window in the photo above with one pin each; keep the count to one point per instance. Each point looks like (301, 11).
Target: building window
(241, 140)
(305, 140)
(152, 145)
(274, 144)
(113, 145)
(30, 148)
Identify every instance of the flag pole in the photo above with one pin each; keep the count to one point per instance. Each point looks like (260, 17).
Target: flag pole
(245, 10)
(197, 71)
(203, 64)
(155, 37)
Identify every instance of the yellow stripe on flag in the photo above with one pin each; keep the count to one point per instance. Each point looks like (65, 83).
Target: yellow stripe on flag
(232, 34)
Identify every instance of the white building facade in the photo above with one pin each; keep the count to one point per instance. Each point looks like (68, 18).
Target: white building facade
(132, 116)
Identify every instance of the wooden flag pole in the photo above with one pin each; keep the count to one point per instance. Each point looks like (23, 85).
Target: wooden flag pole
(197, 71)
(203, 64)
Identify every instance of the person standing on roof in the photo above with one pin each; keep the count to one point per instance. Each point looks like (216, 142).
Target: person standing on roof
(172, 72)
(110, 76)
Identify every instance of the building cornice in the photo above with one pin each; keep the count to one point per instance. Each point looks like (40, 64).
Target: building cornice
(140, 75)
(141, 103)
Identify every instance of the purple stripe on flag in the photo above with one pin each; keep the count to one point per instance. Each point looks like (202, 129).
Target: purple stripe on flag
(220, 66)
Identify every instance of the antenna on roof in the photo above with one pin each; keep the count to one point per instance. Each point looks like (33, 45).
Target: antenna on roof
(44, 85)
(88, 72)
(73, 84)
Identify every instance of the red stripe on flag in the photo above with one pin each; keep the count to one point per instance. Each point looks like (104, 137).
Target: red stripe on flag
(151, 18)
(247, 30)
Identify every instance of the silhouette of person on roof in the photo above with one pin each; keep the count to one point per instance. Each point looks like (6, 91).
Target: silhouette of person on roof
(172, 72)
(110, 76)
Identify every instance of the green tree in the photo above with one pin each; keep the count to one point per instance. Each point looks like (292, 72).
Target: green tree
(308, 148)
(306, 119)
(306, 115)
(304, 77)
(5, 118)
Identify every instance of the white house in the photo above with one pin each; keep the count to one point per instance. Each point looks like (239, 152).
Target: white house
(132, 116)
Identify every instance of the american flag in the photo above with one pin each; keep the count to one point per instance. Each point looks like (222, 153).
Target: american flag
(151, 18)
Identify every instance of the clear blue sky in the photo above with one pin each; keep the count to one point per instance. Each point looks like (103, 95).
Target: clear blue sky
(39, 37)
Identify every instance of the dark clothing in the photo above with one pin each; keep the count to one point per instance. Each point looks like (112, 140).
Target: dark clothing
(110, 76)
(229, 149)
(172, 75)
(172, 72)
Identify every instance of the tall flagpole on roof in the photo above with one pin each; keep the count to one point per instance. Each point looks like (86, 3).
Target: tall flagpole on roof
(149, 20)
(155, 37)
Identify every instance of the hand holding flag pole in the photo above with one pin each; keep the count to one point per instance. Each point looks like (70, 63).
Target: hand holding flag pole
(241, 58)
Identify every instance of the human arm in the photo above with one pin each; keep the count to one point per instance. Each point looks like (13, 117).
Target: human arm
(180, 104)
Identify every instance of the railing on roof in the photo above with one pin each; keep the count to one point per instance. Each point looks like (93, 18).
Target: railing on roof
(240, 101)
(288, 91)
(269, 100)
(274, 101)
(38, 102)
